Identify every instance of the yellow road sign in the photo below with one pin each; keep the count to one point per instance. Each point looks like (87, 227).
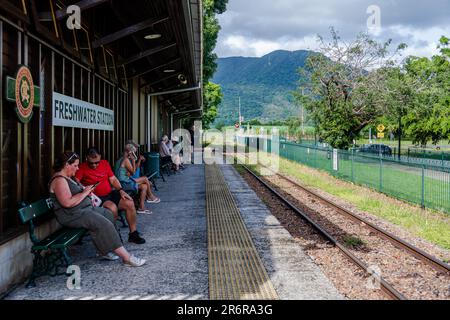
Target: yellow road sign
(380, 135)
(380, 128)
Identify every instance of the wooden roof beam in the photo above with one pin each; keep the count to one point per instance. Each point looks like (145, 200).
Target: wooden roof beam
(127, 31)
(144, 54)
(156, 68)
(162, 79)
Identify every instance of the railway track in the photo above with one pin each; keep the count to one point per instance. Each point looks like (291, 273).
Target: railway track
(387, 288)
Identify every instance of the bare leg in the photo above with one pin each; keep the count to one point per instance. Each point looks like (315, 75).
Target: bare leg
(130, 213)
(150, 195)
(111, 207)
(123, 253)
(142, 195)
(144, 181)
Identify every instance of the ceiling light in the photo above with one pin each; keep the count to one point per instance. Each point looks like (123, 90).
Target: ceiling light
(182, 78)
(152, 36)
(169, 70)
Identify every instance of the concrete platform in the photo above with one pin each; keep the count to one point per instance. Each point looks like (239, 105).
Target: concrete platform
(176, 251)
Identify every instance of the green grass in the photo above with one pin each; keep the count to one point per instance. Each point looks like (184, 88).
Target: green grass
(353, 242)
(401, 181)
(428, 224)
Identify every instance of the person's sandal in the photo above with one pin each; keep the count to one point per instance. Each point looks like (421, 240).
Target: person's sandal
(156, 200)
(144, 211)
(134, 262)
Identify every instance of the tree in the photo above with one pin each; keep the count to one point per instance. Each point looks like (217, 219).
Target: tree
(211, 30)
(429, 118)
(400, 95)
(212, 98)
(345, 92)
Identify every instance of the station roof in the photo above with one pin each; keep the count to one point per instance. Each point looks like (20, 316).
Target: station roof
(168, 63)
(158, 42)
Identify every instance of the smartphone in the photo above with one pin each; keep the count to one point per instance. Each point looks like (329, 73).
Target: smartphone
(95, 185)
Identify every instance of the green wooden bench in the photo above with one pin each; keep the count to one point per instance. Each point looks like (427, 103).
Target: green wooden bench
(50, 254)
(152, 177)
(164, 167)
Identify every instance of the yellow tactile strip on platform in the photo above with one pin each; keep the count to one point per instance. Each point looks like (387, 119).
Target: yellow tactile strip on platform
(235, 268)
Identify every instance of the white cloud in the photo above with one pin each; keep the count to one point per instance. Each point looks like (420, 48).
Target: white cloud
(421, 42)
(257, 27)
(238, 45)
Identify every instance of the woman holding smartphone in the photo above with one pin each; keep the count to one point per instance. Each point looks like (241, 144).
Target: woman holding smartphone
(125, 169)
(73, 208)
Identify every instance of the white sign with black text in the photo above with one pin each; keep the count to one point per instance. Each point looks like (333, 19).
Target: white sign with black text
(74, 113)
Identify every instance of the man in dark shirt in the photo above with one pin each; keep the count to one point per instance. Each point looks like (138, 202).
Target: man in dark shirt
(97, 170)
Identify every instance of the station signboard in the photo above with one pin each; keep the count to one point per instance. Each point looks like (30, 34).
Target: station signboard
(71, 112)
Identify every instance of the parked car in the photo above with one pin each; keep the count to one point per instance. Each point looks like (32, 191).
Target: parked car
(376, 149)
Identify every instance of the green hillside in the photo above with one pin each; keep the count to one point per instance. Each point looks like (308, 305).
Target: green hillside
(264, 85)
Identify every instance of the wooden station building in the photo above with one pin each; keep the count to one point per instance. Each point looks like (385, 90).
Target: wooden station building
(81, 73)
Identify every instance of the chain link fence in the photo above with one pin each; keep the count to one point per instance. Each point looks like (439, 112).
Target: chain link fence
(417, 182)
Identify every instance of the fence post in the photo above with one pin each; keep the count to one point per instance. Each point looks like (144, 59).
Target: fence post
(381, 173)
(423, 187)
(353, 165)
(315, 157)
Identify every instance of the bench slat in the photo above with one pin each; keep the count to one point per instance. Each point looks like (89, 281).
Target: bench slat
(44, 244)
(69, 237)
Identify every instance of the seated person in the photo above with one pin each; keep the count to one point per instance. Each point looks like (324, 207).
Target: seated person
(167, 154)
(97, 170)
(141, 160)
(126, 168)
(73, 208)
(164, 152)
(174, 157)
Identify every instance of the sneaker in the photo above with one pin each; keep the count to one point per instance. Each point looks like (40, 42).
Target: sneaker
(134, 237)
(144, 211)
(156, 200)
(110, 256)
(134, 262)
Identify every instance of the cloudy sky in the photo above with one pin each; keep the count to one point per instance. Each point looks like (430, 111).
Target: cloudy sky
(257, 27)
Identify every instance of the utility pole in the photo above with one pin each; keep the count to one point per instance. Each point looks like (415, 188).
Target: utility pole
(303, 120)
(240, 117)
(399, 136)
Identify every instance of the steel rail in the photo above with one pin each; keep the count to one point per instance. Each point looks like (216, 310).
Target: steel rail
(385, 287)
(396, 241)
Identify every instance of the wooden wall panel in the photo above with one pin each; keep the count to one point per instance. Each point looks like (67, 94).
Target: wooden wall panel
(28, 151)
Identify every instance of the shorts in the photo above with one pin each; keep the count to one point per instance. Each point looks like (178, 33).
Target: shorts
(129, 186)
(114, 197)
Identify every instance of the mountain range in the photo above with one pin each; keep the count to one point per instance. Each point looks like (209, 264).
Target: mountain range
(264, 85)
